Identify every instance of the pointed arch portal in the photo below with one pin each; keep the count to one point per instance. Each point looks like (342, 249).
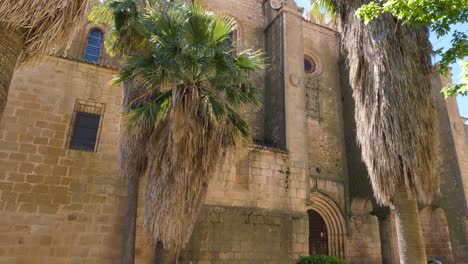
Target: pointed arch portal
(318, 234)
(326, 216)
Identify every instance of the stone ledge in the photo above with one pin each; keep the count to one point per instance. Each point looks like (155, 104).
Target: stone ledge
(252, 211)
(83, 61)
(259, 146)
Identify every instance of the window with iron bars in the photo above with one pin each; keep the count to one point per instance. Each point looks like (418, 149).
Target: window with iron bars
(85, 127)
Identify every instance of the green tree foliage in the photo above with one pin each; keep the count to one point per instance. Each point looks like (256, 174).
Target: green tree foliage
(322, 10)
(127, 32)
(462, 87)
(320, 260)
(440, 15)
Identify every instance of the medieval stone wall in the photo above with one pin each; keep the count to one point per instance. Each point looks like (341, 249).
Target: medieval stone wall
(58, 205)
(459, 128)
(247, 235)
(364, 239)
(436, 235)
(452, 196)
(259, 178)
(66, 206)
(327, 160)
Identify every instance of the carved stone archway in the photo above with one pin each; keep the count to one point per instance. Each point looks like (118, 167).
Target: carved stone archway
(334, 220)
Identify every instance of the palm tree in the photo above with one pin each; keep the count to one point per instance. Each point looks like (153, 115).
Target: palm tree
(194, 85)
(186, 85)
(390, 73)
(29, 28)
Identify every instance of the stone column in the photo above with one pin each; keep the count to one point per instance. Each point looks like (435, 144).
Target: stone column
(388, 237)
(285, 107)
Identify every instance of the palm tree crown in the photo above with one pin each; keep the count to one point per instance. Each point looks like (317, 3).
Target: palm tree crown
(190, 82)
(194, 85)
(43, 23)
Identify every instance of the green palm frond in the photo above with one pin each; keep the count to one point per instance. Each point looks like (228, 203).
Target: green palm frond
(240, 127)
(102, 13)
(251, 60)
(127, 32)
(146, 114)
(187, 46)
(322, 10)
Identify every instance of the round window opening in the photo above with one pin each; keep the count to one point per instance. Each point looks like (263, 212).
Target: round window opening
(309, 65)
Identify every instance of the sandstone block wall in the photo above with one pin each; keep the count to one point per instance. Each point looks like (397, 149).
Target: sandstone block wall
(436, 235)
(248, 192)
(364, 239)
(452, 197)
(65, 206)
(260, 177)
(459, 128)
(246, 235)
(326, 150)
(58, 205)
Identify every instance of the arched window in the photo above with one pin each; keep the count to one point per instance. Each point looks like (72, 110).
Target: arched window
(93, 46)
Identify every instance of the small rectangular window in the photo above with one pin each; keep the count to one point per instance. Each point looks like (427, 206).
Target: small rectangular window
(85, 126)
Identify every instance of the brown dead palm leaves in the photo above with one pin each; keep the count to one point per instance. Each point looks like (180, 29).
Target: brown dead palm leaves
(390, 73)
(44, 23)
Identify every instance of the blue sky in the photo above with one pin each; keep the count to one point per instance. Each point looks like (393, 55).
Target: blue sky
(437, 43)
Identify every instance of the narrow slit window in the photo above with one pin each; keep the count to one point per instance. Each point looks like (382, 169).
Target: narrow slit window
(86, 126)
(94, 46)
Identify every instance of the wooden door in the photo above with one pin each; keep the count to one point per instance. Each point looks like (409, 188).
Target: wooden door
(318, 235)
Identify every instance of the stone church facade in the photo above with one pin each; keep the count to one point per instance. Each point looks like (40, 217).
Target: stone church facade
(300, 188)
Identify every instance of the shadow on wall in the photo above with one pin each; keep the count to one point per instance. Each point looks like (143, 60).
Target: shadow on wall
(364, 242)
(436, 235)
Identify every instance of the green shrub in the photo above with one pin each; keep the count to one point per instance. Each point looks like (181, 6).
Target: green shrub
(320, 260)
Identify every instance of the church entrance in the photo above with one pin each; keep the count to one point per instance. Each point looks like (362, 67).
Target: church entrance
(318, 235)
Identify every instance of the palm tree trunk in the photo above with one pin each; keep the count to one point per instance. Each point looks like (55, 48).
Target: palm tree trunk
(132, 163)
(161, 256)
(128, 256)
(158, 253)
(409, 232)
(11, 43)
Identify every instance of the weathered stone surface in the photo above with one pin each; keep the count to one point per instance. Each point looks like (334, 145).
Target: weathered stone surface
(66, 206)
(266, 237)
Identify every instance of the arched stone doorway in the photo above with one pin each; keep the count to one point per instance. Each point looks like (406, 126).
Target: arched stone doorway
(318, 234)
(334, 220)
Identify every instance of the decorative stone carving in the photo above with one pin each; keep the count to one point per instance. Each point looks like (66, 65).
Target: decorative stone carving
(313, 98)
(294, 80)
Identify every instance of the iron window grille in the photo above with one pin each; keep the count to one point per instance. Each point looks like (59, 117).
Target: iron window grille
(85, 127)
